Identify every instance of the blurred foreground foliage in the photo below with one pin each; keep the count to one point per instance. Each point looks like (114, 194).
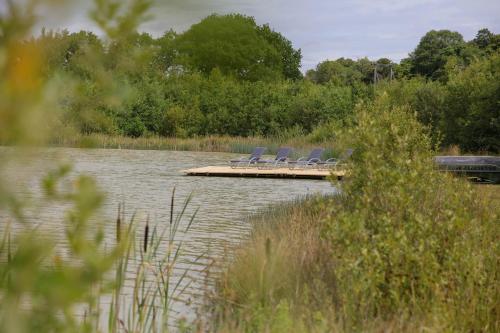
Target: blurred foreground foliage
(42, 286)
(55, 283)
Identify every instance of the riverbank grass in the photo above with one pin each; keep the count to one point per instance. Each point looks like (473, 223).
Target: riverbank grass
(212, 143)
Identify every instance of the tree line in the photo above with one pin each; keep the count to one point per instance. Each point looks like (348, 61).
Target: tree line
(228, 75)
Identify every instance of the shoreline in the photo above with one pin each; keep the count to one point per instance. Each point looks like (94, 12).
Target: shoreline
(215, 143)
(211, 143)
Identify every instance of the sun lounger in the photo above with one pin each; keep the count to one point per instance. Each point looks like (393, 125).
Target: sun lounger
(280, 159)
(309, 161)
(244, 162)
(335, 162)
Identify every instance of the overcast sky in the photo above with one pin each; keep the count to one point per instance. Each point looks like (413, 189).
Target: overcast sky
(323, 29)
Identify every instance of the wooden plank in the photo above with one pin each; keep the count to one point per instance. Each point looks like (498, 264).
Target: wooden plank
(227, 171)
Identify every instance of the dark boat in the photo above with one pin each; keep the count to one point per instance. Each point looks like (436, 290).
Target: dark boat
(483, 169)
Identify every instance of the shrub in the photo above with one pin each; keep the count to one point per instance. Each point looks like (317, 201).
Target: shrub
(407, 240)
(134, 127)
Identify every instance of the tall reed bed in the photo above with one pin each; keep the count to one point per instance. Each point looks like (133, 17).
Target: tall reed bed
(145, 305)
(230, 144)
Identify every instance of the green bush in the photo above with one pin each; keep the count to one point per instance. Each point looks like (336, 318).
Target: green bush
(134, 127)
(406, 239)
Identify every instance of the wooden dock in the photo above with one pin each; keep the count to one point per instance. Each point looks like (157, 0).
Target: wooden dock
(227, 171)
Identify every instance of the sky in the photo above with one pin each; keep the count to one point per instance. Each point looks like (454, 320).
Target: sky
(322, 29)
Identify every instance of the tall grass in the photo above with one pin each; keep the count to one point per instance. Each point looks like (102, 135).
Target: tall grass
(156, 285)
(275, 282)
(230, 144)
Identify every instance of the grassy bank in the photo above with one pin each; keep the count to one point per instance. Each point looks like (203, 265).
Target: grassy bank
(275, 282)
(403, 249)
(221, 143)
(229, 144)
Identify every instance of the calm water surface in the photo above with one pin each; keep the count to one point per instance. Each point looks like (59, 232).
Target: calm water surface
(144, 180)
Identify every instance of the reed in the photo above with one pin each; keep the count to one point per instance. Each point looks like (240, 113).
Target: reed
(241, 145)
(155, 283)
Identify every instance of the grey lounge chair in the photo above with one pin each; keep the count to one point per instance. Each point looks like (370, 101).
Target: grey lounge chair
(252, 160)
(335, 162)
(280, 159)
(312, 160)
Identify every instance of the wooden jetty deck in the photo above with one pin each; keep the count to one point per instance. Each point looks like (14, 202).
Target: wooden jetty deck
(227, 171)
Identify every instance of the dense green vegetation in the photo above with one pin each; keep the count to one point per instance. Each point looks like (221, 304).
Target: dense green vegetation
(422, 252)
(226, 75)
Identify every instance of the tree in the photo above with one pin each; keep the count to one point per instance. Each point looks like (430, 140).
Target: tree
(471, 117)
(384, 68)
(290, 58)
(68, 51)
(132, 54)
(236, 46)
(483, 38)
(328, 71)
(431, 54)
(486, 40)
(365, 67)
(404, 68)
(166, 54)
(342, 71)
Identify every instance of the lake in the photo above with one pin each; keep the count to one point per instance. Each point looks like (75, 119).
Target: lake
(143, 180)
